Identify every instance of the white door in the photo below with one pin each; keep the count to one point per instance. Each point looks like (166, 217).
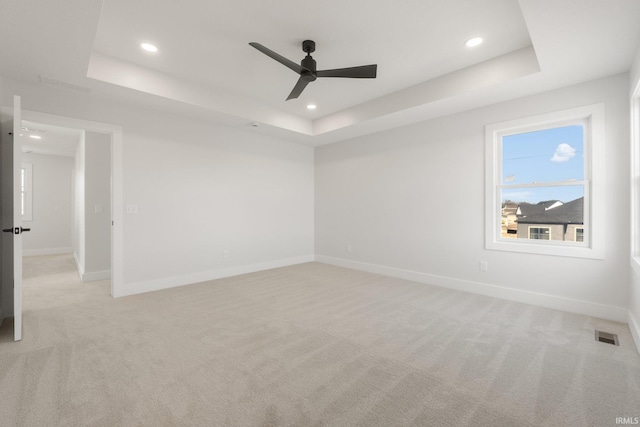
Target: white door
(12, 217)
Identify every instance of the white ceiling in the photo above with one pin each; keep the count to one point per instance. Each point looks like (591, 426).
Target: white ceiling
(207, 43)
(205, 67)
(54, 140)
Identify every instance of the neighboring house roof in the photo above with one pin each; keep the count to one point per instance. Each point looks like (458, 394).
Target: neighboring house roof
(509, 208)
(568, 213)
(526, 209)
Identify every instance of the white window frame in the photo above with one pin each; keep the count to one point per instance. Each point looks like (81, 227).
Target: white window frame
(27, 193)
(635, 178)
(594, 210)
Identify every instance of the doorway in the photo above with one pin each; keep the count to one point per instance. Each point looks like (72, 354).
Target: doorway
(67, 196)
(92, 211)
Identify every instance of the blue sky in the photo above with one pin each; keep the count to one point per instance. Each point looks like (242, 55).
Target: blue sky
(546, 156)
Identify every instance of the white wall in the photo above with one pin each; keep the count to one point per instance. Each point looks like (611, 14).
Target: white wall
(406, 200)
(200, 189)
(410, 202)
(51, 227)
(97, 206)
(92, 206)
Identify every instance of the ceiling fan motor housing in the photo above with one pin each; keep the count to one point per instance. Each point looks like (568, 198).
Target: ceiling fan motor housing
(309, 46)
(309, 68)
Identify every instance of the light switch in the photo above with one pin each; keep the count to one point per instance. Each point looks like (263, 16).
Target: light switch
(98, 209)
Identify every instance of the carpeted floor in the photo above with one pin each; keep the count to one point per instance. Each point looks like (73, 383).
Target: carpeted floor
(307, 345)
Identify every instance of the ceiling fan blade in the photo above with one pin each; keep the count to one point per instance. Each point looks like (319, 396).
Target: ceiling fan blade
(362, 72)
(281, 59)
(298, 88)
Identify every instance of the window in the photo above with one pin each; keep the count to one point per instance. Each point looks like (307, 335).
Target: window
(542, 178)
(539, 233)
(635, 177)
(26, 175)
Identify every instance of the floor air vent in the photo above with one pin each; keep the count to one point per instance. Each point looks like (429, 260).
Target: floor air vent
(606, 337)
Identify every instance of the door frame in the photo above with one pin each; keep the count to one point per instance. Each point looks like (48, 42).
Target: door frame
(12, 149)
(117, 233)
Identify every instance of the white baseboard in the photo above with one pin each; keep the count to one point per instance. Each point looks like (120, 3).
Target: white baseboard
(171, 282)
(46, 251)
(95, 275)
(617, 314)
(634, 327)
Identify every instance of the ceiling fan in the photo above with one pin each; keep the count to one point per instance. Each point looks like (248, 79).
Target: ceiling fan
(307, 68)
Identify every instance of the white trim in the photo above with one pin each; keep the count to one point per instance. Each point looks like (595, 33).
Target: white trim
(17, 221)
(117, 211)
(95, 276)
(78, 265)
(634, 327)
(609, 312)
(634, 151)
(172, 282)
(635, 179)
(46, 251)
(594, 181)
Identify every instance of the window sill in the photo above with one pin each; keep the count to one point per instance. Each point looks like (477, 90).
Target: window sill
(551, 249)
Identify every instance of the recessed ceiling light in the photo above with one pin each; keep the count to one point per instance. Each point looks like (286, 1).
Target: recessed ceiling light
(149, 47)
(473, 42)
(311, 107)
(35, 136)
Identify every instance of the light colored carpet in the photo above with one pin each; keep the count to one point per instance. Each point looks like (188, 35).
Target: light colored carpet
(308, 345)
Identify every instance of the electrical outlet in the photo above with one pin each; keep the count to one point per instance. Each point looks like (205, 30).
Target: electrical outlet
(484, 266)
(348, 248)
(131, 209)
(225, 253)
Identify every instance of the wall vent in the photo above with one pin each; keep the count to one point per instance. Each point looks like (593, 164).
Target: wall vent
(67, 85)
(607, 337)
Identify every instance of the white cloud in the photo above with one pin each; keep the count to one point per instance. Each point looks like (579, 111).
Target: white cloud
(564, 152)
